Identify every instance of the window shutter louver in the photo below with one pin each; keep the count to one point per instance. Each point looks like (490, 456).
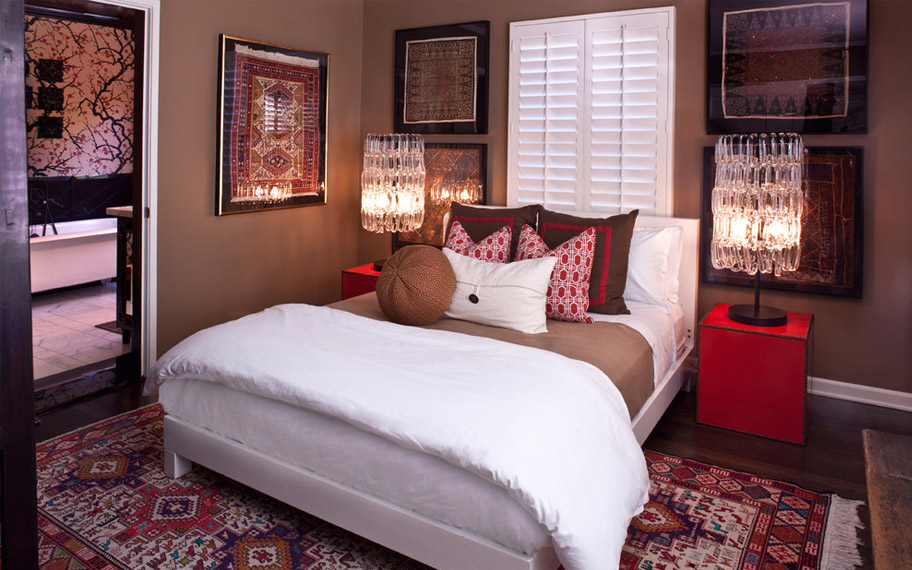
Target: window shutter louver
(626, 96)
(545, 114)
(591, 111)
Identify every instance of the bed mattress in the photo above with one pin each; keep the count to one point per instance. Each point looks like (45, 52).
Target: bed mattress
(411, 479)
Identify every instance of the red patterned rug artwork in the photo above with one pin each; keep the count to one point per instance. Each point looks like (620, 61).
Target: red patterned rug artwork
(105, 504)
(275, 134)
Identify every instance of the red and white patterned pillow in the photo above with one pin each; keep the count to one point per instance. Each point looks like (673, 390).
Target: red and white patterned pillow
(568, 292)
(494, 249)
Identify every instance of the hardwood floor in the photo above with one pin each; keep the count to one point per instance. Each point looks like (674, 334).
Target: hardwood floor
(832, 460)
(64, 420)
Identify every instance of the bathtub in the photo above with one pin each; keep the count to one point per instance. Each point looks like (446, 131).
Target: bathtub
(83, 251)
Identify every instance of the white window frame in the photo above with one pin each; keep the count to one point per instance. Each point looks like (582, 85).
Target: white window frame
(664, 194)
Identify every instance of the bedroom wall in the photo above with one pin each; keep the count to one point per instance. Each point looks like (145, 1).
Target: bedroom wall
(863, 341)
(212, 269)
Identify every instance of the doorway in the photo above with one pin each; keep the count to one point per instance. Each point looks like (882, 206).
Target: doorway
(85, 150)
(17, 433)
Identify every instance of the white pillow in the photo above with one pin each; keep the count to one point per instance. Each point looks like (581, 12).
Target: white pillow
(674, 262)
(652, 266)
(508, 295)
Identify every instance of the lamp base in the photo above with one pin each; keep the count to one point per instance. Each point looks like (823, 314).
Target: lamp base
(378, 265)
(759, 316)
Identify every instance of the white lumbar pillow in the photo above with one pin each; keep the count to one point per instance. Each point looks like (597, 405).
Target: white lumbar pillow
(510, 295)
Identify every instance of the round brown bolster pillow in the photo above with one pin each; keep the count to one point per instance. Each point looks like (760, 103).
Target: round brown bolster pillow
(416, 285)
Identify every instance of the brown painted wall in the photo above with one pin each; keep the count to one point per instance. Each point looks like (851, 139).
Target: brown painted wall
(866, 341)
(212, 269)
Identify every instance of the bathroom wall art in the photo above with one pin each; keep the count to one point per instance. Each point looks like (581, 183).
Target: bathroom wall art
(79, 98)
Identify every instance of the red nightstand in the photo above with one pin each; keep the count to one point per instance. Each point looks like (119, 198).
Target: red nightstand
(359, 280)
(754, 379)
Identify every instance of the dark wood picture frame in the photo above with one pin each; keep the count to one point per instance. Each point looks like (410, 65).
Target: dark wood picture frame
(814, 81)
(442, 79)
(272, 125)
(446, 163)
(832, 233)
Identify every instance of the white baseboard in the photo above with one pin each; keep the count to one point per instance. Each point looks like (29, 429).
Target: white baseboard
(862, 394)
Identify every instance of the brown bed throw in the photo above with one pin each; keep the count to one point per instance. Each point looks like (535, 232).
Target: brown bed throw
(617, 350)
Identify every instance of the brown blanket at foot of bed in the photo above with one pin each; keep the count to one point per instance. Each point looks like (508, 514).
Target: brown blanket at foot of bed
(617, 350)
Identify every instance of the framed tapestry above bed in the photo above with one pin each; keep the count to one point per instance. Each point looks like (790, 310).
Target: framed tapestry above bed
(832, 227)
(272, 127)
(812, 80)
(442, 79)
(455, 173)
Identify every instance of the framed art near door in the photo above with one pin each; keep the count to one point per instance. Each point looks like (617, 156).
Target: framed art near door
(442, 79)
(787, 66)
(272, 127)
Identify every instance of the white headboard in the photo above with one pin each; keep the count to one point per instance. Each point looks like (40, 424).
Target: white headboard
(689, 274)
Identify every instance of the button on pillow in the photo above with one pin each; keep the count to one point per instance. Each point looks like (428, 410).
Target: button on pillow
(508, 295)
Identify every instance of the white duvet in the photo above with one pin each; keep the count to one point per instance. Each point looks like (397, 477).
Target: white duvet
(554, 432)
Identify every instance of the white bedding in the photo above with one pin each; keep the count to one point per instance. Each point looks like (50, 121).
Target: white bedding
(553, 432)
(662, 327)
(364, 461)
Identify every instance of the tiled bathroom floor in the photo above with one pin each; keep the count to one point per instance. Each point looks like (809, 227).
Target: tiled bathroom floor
(64, 335)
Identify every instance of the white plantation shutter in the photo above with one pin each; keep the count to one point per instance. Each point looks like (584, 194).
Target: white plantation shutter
(549, 96)
(591, 112)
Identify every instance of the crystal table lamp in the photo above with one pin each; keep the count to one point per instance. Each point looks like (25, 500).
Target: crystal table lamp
(392, 183)
(757, 203)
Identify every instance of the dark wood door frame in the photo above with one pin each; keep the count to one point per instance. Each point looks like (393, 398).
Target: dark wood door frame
(18, 503)
(139, 90)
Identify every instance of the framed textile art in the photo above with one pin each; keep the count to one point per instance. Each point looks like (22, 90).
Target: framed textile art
(832, 227)
(787, 66)
(442, 79)
(272, 127)
(454, 173)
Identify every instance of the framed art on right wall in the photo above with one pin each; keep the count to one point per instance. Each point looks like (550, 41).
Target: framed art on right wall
(795, 66)
(832, 227)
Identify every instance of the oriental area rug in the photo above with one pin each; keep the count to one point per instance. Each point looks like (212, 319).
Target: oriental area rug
(106, 504)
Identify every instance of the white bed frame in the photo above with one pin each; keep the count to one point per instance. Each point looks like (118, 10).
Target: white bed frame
(419, 537)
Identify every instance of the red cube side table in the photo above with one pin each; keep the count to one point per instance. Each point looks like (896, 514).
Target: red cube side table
(359, 280)
(754, 379)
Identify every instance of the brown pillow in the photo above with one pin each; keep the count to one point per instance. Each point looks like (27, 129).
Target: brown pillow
(416, 285)
(612, 245)
(479, 223)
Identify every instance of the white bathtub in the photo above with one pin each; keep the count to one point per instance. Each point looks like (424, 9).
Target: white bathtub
(82, 252)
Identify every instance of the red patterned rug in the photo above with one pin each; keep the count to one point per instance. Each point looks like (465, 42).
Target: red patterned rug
(105, 504)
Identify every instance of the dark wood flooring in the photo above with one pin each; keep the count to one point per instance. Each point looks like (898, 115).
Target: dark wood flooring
(72, 417)
(832, 460)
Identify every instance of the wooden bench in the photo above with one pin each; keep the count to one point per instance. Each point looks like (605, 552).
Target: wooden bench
(888, 470)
